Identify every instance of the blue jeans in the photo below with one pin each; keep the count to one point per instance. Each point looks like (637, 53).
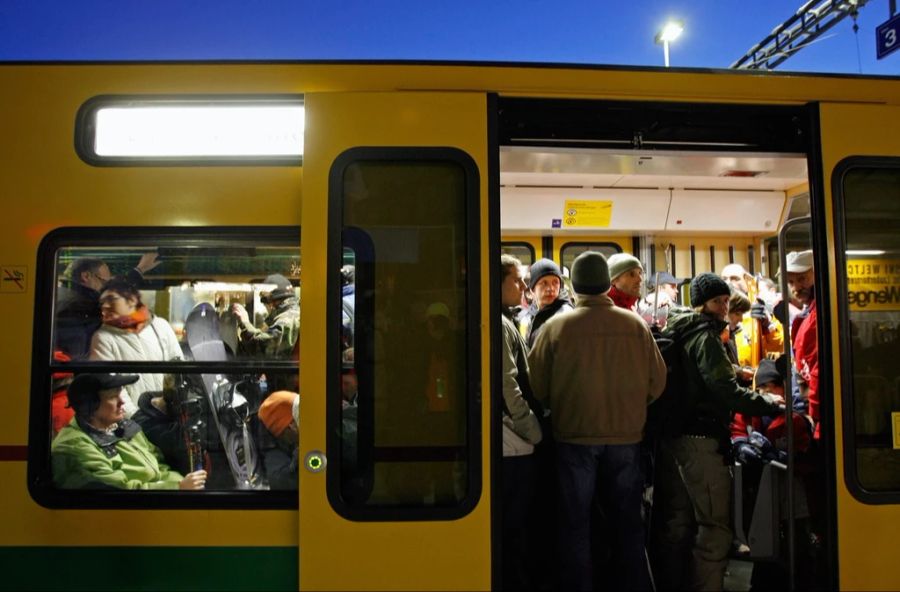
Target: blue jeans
(615, 471)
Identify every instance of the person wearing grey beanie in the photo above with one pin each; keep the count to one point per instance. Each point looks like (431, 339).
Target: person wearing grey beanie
(598, 368)
(546, 284)
(626, 275)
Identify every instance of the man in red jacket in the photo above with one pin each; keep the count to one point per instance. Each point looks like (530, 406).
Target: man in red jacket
(802, 283)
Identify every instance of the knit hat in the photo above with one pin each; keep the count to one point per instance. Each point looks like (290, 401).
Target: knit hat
(283, 288)
(707, 286)
(771, 372)
(590, 273)
(277, 411)
(622, 262)
(541, 268)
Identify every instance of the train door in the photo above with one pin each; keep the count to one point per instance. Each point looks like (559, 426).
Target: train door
(861, 169)
(394, 484)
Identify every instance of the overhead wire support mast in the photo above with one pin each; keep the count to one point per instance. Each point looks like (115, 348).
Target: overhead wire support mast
(806, 25)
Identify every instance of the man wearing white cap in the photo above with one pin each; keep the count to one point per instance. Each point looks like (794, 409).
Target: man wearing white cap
(802, 283)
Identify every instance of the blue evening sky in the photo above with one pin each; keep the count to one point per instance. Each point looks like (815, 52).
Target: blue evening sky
(621, 32)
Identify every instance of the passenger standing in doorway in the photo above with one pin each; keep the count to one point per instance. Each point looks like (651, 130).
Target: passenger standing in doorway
(546, 283)
(626, 274)
(804, 332)
(692, 533)
(521, 431)
(598, 368)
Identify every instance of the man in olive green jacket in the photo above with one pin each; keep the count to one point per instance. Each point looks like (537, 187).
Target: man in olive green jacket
(598, 368)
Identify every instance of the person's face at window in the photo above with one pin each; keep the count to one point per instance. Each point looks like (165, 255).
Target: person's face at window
(772, 387)
(546, 291)
(670, 290)
(630, 282)
(801, 286)
(717, 307)
(95, 280)
(113, 305)
(111, 409)
(512, 287)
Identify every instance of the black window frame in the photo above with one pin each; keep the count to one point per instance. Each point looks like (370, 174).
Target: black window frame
(40, 481)
(474, 380)
(568, 244)
(523, 244)
(86, 128)
(848, 409)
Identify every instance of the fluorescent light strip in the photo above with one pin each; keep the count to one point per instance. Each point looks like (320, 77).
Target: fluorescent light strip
(200, 131)
(864, 253)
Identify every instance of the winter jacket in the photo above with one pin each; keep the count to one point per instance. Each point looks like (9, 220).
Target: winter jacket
(597, 368)
(277, 340)
(806, 359)
(155, 342)
(711, 392)
(85, 458)
(521, 429)
(536, 321)
(772, 339)
(78, 316)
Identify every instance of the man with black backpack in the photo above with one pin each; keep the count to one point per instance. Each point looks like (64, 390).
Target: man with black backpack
(691, 520)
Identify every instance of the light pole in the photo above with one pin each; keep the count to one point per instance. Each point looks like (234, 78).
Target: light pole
(669, 32)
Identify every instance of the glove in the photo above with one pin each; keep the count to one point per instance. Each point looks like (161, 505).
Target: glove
(746, 452)
(758, 311)
(765, 447)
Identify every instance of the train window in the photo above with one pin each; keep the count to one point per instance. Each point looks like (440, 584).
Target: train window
(522, 251)
(140, 130)
(869, 192)
(569, 251)
(193, 334)
(404, 417)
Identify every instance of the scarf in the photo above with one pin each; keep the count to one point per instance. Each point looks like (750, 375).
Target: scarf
(134, 322)
(621, 299)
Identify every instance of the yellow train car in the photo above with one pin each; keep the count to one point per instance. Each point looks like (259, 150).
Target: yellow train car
(377, 198)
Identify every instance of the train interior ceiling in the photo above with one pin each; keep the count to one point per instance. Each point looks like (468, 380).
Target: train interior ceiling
(725, 204)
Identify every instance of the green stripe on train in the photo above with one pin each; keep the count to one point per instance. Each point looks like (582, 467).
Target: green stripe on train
(148, 568)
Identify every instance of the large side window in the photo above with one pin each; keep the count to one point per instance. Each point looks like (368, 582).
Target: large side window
(404, 416)
(868, 190)
(570, 251)
(166, 360)
(522, 251)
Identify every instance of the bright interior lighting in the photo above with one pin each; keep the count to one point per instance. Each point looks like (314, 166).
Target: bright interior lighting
(865, 253)
(200, 131)
(671, 31)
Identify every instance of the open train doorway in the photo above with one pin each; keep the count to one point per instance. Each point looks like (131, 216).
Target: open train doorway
(685, 189)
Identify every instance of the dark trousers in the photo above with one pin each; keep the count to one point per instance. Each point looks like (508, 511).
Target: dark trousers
(519, 475)
(616, 470)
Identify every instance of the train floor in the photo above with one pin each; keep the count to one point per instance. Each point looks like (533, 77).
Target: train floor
(737, 576)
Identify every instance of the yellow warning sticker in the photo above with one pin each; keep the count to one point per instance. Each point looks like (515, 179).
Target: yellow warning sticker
(895, 419)
(580, 213)
(13, 278)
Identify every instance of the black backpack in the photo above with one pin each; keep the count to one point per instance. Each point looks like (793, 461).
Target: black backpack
(667, 416)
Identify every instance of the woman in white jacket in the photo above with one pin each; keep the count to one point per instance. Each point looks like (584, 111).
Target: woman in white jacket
(131, 332)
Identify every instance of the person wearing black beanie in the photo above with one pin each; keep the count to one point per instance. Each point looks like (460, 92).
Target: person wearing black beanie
(546, 284)
(692, 482)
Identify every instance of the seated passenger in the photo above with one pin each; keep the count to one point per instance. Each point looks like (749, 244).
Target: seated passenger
(101, 449)
(60, 412)
(282, 324)
(280, 413)
(130, 332)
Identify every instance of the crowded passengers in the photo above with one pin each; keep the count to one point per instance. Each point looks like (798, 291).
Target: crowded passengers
(155, 430)
(594, 369)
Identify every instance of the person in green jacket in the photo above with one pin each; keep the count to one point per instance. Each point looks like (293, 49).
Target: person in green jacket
(692, 514)
(101, 449)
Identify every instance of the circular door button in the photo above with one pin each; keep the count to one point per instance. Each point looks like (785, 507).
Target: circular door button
(315, 461)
